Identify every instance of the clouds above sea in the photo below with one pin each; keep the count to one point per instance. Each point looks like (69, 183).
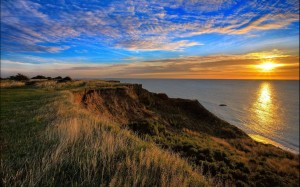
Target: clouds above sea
(242, 66)
(55, 26)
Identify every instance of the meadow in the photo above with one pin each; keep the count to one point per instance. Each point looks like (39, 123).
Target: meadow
(47, 140)
(105, 133)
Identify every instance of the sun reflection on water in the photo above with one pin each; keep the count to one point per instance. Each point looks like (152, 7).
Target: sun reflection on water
(266, 118)
(263, 104)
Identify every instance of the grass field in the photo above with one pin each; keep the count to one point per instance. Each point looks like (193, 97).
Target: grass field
(65, 134)
(47, 140)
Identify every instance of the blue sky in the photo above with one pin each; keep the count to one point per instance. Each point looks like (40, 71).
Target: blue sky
(84, 38)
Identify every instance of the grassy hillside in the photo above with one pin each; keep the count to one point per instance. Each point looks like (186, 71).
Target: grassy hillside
(184, 126)
(47, 140)
(106, 133)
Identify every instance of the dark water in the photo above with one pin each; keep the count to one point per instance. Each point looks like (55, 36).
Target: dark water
(267, 110)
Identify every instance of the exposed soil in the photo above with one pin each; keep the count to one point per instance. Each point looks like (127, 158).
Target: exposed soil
(133, 103)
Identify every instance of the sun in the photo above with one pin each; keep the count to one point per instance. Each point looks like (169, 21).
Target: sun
(267, 66)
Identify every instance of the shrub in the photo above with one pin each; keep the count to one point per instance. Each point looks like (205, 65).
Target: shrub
(57, 78)
(19, 77)
(144, 127)
(66, 79)
(39, 77)
(240, 176)
(219, 155)
(243, 167)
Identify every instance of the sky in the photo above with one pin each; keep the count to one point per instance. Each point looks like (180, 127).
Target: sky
(188, 39)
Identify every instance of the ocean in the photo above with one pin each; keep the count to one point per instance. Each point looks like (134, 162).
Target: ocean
(267, 110)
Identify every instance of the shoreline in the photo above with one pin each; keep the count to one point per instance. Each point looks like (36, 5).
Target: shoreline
(265, 140)
(228, 113)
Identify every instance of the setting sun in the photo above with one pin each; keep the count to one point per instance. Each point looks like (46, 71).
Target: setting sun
(268, 66)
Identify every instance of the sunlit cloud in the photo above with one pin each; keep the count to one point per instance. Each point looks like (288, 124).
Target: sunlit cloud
(135, 25)
(167, 39)
(275, 53)
(147, 45)
(242, 66)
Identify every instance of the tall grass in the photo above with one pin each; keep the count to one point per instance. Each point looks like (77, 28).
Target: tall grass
(79, 149)
(10, 83)
(48, 140)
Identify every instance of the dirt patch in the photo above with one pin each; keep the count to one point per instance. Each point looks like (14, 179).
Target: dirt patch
(133, 103)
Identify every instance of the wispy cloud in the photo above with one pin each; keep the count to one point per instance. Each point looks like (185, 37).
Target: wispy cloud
(150, 45)
(134, 25)
(131, 58)
(241, 66)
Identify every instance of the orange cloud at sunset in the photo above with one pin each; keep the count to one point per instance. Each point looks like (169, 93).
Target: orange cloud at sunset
(244, 66)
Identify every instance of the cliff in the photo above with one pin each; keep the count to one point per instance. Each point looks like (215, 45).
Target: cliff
(186, 127)
(132, 103)
(118, 134)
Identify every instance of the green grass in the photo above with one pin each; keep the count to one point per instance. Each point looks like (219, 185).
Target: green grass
(20, 124)
(47, 140)
(226, 160)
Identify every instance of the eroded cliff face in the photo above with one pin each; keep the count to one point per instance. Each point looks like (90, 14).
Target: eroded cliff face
(120, 105)
(187, 128)
(131, 103)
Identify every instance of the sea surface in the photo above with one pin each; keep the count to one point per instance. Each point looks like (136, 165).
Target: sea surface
(267, 110)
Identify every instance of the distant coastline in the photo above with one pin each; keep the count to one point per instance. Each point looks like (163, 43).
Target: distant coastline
(237, 111)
